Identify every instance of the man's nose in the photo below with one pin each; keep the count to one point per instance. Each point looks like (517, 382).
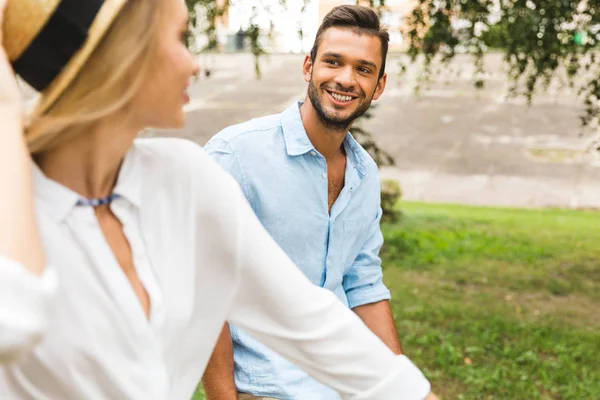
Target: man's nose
(345, 78)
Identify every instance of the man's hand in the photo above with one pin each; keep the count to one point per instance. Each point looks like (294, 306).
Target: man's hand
(431, 396)
(10, 95)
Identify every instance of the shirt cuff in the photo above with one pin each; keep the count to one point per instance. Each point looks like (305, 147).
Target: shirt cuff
(360, 297)
(25, 301)
(408, 383)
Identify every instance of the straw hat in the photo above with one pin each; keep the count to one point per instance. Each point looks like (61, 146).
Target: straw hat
(49, 41)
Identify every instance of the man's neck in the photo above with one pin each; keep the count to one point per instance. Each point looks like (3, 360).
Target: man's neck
(326, 141)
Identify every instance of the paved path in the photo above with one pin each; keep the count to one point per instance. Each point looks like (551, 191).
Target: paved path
(451, 143)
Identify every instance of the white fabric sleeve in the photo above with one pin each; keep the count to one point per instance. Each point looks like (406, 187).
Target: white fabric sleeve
(310, 327)
(25, 301)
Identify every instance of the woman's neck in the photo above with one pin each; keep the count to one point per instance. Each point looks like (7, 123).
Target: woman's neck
(89, 163)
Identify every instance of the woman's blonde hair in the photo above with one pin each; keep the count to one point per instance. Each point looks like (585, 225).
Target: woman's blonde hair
(107, 83)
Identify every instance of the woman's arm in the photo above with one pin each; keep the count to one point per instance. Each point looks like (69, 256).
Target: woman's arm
(309, 326)
(19, 239)
(24, 292)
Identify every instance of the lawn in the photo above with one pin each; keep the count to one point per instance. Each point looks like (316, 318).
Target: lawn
(498, 303)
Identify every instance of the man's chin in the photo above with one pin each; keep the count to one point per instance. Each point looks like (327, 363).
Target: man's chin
(335, 122)
(336, 113)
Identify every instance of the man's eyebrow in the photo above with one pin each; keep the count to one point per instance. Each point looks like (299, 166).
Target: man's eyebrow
(338, 56)
(332, 55)
(369, 63)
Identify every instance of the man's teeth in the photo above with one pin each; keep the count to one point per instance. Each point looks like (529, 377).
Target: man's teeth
(340, 97)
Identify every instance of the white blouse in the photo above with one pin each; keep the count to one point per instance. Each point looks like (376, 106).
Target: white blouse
(25, 301)
(203, 258)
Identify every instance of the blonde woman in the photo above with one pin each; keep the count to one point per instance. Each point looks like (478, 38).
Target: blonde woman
(25, 286)
(155, 246)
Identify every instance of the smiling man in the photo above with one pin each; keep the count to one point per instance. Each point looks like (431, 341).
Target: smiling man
(316, 191)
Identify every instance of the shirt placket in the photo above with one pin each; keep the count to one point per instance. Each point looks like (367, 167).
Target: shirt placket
(127, 214)
(351, 182)
(141, 262)
(86, 228)
(322, 186)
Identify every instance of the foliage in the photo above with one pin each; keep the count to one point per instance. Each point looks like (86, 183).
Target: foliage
(541, 39)
(203, 16)
(253, 33)
(391, 193)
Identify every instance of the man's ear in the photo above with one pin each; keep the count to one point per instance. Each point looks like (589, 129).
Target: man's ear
(380, 87)
(307, 68)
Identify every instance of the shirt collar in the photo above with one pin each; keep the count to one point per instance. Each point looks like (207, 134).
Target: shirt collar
(296, 139)
(131, 177)
(298, 143)
(58, 200)
(356, 154)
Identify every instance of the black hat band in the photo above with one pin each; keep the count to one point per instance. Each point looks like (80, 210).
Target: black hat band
(63, 35)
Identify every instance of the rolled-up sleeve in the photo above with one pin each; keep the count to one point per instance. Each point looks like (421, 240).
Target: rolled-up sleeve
(363, 281)
(25, 301)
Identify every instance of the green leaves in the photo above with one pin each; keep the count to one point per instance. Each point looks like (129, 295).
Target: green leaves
(542, 40)
(203, 19)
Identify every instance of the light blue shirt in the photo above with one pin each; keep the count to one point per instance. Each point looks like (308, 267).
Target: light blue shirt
(285, 180)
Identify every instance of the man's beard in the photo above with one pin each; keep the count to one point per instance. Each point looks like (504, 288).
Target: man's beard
(330, 121)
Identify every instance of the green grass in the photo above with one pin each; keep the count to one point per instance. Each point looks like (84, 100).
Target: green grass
(498, 303)
(199, 395)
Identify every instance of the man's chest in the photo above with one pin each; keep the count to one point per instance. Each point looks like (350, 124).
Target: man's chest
(336, 176)
(335, 183)
(318, 216)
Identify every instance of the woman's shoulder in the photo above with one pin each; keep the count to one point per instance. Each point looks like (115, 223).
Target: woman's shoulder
(171, 151)
(180, 160)
(173, 155)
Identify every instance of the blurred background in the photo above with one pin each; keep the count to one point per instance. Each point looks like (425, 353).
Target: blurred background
(487, 139)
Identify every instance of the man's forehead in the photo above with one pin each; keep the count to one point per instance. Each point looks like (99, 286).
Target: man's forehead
(350, 43)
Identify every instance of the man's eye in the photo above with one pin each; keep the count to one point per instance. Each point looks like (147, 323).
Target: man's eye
(332, 62)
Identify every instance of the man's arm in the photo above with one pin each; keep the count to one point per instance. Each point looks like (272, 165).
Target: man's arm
(379, 318)
(367, 295)
(218, 381)
(363, 283)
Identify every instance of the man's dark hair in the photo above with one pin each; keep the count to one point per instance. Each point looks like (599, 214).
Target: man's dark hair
(361, 20)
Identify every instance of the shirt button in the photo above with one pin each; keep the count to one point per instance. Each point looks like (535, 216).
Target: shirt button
(324, 175)
(313, 153)
(328, 261)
